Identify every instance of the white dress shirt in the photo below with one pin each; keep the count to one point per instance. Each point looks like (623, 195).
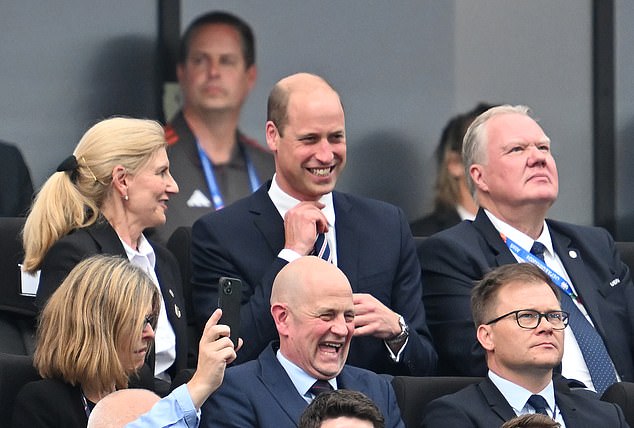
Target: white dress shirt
(518, 396)
(164, 336)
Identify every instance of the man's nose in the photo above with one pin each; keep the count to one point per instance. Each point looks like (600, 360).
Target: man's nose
(324, 152)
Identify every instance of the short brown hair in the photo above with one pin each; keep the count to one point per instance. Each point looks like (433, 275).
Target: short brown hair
(531, 420)
(341, 403)
(484, 294)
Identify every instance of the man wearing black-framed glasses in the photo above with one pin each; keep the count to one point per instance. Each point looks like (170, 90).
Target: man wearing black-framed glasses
(519, 323)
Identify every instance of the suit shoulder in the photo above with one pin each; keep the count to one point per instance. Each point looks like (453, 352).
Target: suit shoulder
(78, 238)
(576, 229)
(245, 370)
(365, 201)
(366, 376)
(45, 388)
(457, 399)
(463, 233)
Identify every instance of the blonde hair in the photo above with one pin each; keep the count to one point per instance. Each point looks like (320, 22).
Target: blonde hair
(99, 309)
(73, 199)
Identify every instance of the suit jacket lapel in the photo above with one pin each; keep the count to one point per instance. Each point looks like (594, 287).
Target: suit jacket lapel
(578, 274)
(502, 254)
(348, 237)
(274, 378)
(496, 400)
(106, 237)
(566, 405)
(267, 219)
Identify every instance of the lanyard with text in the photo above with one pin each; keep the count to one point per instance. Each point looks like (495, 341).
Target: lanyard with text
(531, 258)
(208, 168)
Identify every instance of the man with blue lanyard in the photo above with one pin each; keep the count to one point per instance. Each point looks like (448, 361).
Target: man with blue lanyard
(513, 176)
(213, 162)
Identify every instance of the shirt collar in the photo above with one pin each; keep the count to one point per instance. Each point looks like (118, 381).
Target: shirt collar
(517, 396)
(301, 380)
(284, 202)
(521, 238)
(145, 251)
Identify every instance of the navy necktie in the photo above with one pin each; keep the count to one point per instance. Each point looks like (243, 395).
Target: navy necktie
(591, 344)
(321, 248)
(538, 403)
(319, 387)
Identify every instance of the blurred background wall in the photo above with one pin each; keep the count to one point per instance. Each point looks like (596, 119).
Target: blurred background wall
(402, 69)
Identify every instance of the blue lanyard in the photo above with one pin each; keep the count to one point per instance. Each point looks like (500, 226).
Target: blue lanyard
(531, 258)
(208, 169)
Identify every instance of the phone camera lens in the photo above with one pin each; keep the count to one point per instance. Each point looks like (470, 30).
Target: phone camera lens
(228, 289)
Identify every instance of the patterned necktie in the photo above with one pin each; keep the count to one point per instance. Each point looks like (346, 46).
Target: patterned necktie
(591, 344)
(321, 248)
(538, 403)
(319, 387)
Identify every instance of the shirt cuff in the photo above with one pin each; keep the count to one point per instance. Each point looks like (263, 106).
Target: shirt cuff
(289, 255)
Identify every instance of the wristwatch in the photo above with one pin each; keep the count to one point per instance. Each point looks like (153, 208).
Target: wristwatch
(403, 334)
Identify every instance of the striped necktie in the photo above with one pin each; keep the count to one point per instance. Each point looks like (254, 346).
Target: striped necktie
(321, 248)
(319, 387)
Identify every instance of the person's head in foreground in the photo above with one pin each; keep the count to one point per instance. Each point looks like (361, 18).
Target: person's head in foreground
(342, 409)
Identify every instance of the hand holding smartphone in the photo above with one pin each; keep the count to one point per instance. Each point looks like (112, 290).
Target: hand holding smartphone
(229, 298)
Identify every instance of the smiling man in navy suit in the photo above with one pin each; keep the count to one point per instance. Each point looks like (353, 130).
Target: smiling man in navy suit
(512, 172)
(370, 241)
(313, 310)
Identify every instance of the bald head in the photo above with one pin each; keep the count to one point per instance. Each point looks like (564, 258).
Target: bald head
(313, 311)
(305, 277)
(121, 407)
(277, 107)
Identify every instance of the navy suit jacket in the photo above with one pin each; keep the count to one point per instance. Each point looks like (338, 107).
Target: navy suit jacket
(483, 405)
(260, 394)
(453, 260)
(101, 238)
(375, 250)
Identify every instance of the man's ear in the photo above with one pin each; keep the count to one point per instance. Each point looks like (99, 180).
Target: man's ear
(280, 317)
(485, 336)
(477, 176)
(120, 180)
(272, 136)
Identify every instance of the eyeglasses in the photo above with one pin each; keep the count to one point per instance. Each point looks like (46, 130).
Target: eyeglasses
(150, 319)
(530, 319)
